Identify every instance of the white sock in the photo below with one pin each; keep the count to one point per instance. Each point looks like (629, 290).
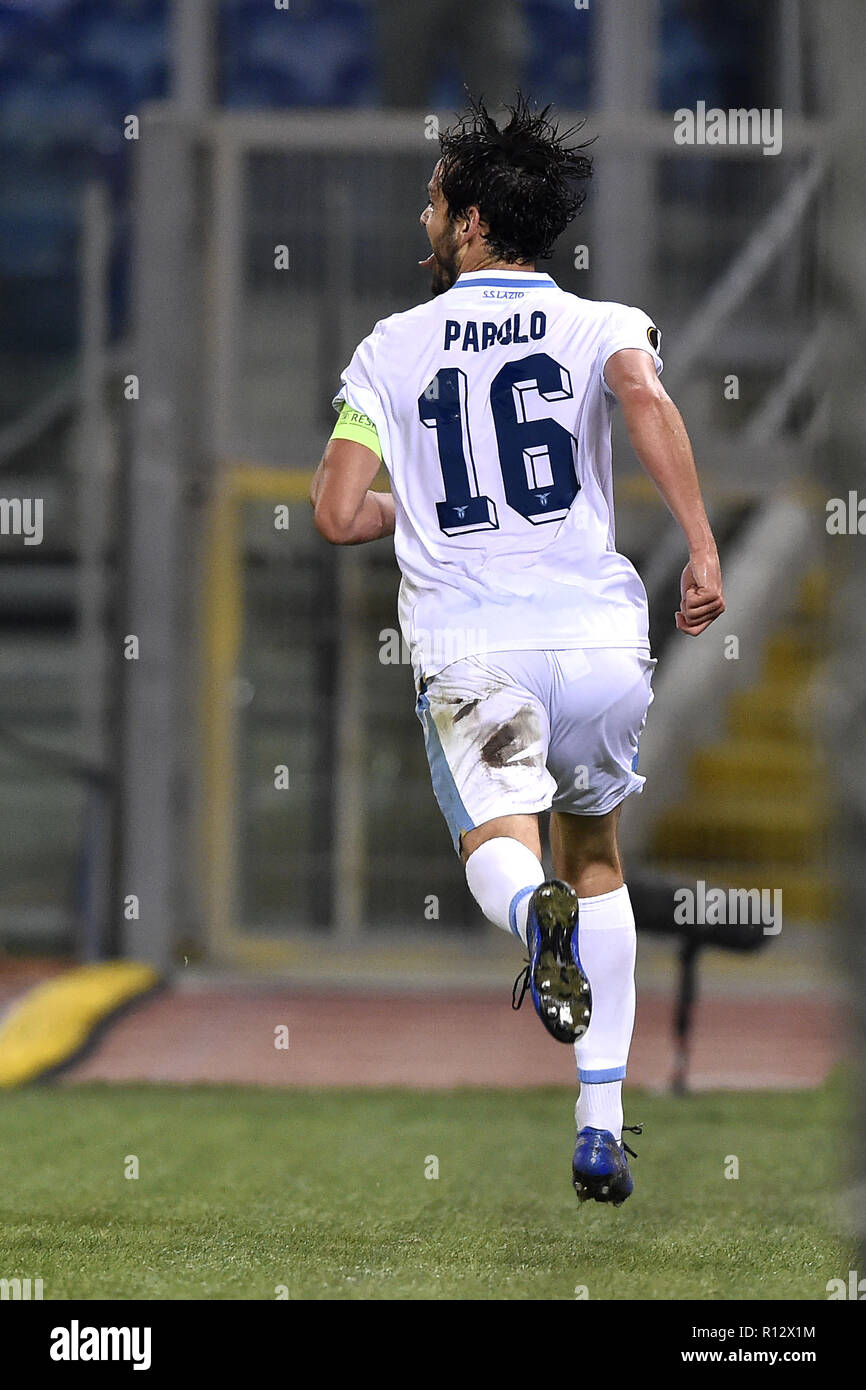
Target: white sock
(607, 953)
(600, 1105)
(502, 874)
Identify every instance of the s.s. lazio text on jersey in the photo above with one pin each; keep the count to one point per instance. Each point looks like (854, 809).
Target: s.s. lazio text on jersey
(475, 337)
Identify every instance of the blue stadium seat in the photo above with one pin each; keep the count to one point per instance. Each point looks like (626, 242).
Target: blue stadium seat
(354, 12)
(38, 227)
(132, 47)
(46, 11)
(325, 52)
(702, 55)
(80, 13)
(20, 31)
(558, 69)
(248, 87)
(56, 108)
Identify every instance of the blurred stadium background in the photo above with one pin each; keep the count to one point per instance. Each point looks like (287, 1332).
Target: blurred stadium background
(205, 206)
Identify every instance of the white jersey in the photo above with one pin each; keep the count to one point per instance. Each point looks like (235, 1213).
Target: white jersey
(494, 421)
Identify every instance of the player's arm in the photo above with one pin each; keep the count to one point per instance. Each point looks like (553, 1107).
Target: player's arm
(345, 510)
(659, 439)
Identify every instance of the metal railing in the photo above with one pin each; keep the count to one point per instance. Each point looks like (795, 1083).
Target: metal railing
(238, 360)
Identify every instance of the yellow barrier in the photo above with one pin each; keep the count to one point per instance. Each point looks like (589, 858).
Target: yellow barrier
(53, 1021)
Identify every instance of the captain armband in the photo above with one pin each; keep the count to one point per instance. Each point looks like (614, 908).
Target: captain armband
(353, 424)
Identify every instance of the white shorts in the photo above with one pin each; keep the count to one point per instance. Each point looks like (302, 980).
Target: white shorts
(515, 733)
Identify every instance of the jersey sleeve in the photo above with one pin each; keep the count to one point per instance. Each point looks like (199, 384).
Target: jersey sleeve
(629, 328)
(359, 391)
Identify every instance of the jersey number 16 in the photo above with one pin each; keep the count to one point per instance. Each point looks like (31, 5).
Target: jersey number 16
(537, 458)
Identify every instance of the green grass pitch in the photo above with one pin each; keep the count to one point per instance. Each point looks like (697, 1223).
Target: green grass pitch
(242, 1192)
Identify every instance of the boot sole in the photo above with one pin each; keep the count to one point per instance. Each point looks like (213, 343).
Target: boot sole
(563, 996)
(596, 1189)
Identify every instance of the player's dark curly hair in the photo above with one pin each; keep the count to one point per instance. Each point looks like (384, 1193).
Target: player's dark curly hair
(521, 178)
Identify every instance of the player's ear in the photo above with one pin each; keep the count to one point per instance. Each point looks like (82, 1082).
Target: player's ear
(473, 222)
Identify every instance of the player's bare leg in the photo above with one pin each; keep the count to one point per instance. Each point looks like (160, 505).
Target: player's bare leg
(506, 878)
(586, 852)
(521, 828)
(586, 855)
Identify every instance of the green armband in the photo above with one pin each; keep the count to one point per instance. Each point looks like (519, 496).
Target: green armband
(352, 424)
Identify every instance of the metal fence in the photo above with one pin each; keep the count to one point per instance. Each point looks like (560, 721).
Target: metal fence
(315, 237)
(266, 247)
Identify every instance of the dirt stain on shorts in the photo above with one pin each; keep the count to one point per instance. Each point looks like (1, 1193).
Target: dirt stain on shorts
(503, 745)
(466, 709)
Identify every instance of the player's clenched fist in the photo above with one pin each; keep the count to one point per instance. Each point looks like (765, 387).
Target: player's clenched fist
(701, 597)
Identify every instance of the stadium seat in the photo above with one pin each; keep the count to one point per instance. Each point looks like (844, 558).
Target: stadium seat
(249, 87)
(755, 808)
(558, 63)
(56, 107)
(37, 234)
(340, 36)
(133, 49)
(701, 57)
(20, 32)
(80, 13)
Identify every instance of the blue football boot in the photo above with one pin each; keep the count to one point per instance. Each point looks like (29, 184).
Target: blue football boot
(554, 976)
(599, 1169)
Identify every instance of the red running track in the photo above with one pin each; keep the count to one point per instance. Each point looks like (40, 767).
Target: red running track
(439, 1040)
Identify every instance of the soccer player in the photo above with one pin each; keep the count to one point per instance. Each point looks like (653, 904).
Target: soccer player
(490, 407)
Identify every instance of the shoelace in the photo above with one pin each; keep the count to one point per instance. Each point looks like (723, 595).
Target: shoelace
(522, 983)
(630, 1129)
